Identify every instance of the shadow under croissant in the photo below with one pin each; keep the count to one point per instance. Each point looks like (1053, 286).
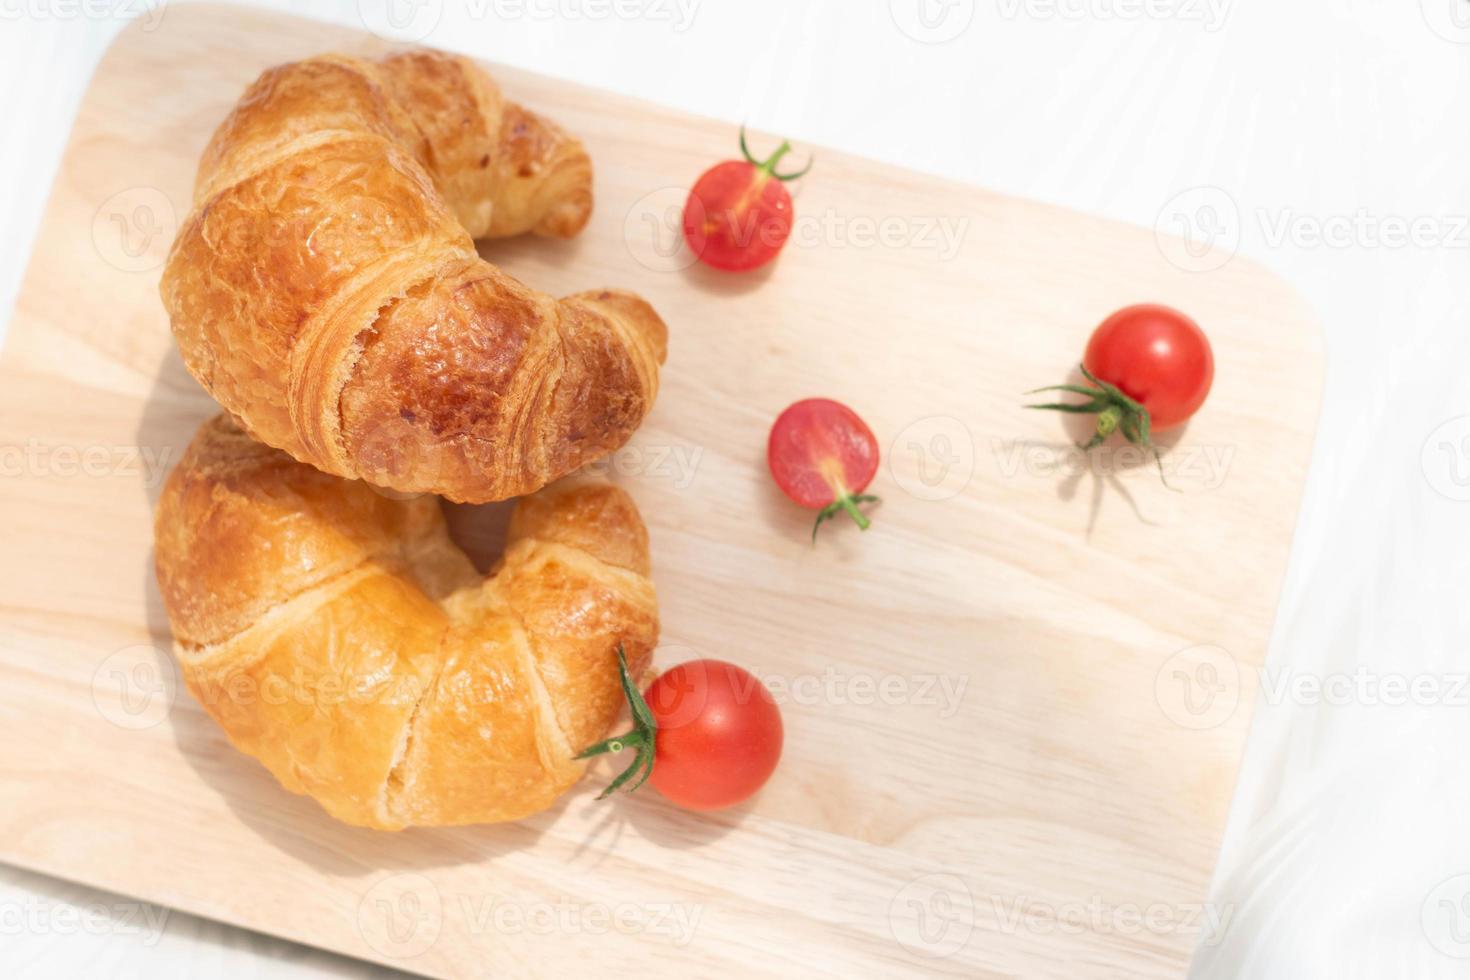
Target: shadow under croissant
(297, 825)
(175, 408)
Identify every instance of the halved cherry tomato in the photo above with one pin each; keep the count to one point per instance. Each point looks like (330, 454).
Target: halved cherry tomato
(1148, 368)
(823, 457)
(739, 213)
(708, 734)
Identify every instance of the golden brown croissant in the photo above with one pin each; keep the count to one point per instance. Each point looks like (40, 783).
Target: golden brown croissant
(326, 289)
(341, 638)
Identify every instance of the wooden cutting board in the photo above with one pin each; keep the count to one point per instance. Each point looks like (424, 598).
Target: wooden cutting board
(1014, 709)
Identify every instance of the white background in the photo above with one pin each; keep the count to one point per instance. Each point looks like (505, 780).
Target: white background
(1348, 120)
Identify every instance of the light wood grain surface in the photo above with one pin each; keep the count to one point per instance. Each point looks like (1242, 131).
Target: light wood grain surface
(1014, 708)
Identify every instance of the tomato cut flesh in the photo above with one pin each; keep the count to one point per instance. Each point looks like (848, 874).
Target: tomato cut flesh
(737, 216)
(819, 451)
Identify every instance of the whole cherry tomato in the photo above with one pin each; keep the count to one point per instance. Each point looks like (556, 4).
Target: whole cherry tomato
(1148, 368)
(708, 735)
(739, 212)
(1159, 357)
(823, 457)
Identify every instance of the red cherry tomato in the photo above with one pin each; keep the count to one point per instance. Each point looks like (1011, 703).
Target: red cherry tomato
(719, 734)
(707, 733)
(1159, 357)
(823, 457)
(739, 213)
(1147, 368)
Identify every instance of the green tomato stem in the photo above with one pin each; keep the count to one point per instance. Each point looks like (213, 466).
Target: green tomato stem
(1115, 411)
(643, 737)
(845, 503)
(767, 167)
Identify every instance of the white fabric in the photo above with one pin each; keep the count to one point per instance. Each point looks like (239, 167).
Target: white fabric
(1348, 834)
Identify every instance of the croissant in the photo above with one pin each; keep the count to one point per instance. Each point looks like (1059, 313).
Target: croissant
(338, 635)
(326, 290)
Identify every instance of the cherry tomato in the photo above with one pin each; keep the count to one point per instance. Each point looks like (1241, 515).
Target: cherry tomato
(739, 212)
(1159, 357)
(707, 733)
(823, 457)
(1147, 368)
(719, 734)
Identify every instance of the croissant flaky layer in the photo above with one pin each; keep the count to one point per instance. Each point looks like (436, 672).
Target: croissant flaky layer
(340, 637)
(326, 290)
